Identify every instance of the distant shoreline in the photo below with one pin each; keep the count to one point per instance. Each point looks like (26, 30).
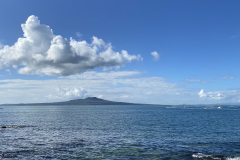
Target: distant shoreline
(86, 101)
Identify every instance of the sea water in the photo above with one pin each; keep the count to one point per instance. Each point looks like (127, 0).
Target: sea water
(118, 132)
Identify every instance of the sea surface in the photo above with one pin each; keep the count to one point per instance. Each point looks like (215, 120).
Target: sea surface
(119, 132)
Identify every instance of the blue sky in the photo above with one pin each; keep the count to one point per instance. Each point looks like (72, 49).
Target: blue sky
(198, 44)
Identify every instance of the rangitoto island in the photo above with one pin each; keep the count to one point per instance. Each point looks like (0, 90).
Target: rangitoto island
(86, 101)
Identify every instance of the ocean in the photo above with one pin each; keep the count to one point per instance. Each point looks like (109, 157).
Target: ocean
(119, 132)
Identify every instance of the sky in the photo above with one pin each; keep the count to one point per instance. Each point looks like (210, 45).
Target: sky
(155, 52)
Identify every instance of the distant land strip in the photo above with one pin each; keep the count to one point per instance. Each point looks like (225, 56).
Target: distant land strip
(86, 101)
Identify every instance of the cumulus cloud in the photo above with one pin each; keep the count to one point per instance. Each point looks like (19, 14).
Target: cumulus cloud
(41, 52)
(68, 93)
(211, 95)
(233, 95)
(155, 55)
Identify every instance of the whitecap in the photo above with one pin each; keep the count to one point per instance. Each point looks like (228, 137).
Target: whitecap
(200, 155)
(235, 158)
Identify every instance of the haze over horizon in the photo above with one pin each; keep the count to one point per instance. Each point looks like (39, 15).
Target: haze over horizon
(153, 52)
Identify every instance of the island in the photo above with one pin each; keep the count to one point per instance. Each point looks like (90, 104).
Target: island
(86, 101)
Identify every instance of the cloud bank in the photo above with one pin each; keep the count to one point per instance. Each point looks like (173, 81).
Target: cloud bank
(125, 86)
(40, 52)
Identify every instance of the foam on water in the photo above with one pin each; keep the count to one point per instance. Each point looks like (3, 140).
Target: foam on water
(235, 158)
(205, 156)
(201, 155)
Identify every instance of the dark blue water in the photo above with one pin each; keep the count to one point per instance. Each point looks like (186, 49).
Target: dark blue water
(118, 132)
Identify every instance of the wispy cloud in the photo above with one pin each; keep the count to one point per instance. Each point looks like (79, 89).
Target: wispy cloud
(43, 53)
(228, 77)
(78, 34)
(197, 80)
(103, 75)
(235, 36)
(1, 45)
(155, 55)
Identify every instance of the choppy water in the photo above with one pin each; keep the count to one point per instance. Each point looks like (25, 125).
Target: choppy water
(118, 132)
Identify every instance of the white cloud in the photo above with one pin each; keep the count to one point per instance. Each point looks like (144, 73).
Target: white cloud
(155, 55)
(197, 80)
(211, 95)
(68, 93)
(233, 95)
(202, 94)
(41, 52)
